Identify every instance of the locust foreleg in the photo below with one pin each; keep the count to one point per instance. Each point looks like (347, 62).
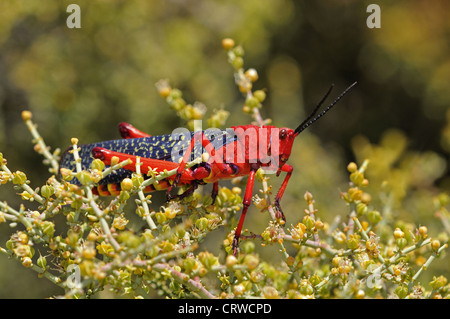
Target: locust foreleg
(288, 169)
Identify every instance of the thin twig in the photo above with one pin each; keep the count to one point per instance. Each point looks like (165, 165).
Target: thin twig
(192, 285)
(37, 139)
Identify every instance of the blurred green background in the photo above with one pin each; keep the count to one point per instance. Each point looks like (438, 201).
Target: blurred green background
(83, 82)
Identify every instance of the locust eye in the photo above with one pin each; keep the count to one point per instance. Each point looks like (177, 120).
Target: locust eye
(283, 134)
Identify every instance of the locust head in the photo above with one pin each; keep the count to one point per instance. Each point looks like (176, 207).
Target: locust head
(286, 138)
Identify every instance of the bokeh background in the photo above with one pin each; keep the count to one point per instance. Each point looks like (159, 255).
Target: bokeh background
(83, 82)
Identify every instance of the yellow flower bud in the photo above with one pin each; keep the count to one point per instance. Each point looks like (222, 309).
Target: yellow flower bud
(231, 261)
(423, 230)
(236, 190)
(190, 264)
(27, 262)
(251, 261)
(360, 294)
(352, 167)
(336, 261)
(114, 160)
(84, 177)
(238, 290)
(319, 225)
(126, 184)
(201, 223)
(238, 62)
(308, 197)
(309, 222)
(398, 233)
(97, 164)
(23, 238)
(252, 75)
(435, 244)
(47, 191)
(19, 178)
(357, 178)
(438, 282)
(120, 222)
(260, 95)
(160, 218)
(26, 115)
(207, 259)
(270, 292)
(228, 43)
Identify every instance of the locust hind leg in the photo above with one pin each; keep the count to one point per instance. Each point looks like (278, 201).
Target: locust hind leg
(246, 203)
(186, 193)
(187, 177)
(106, 156)
(215, 192)
(200, 172)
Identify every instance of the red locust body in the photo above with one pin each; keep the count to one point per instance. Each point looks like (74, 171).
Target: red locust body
(239, 151)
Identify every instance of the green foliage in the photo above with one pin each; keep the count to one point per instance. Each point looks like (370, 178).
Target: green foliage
(360, 248)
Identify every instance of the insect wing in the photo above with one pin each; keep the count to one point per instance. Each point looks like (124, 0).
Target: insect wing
(161, 147)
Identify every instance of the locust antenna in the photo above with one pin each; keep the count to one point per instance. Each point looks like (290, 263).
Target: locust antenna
(312, 118)
(311, 115)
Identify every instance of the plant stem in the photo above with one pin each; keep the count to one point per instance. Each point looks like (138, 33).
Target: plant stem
(193, 285)
(54, 279)
(43, 148)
